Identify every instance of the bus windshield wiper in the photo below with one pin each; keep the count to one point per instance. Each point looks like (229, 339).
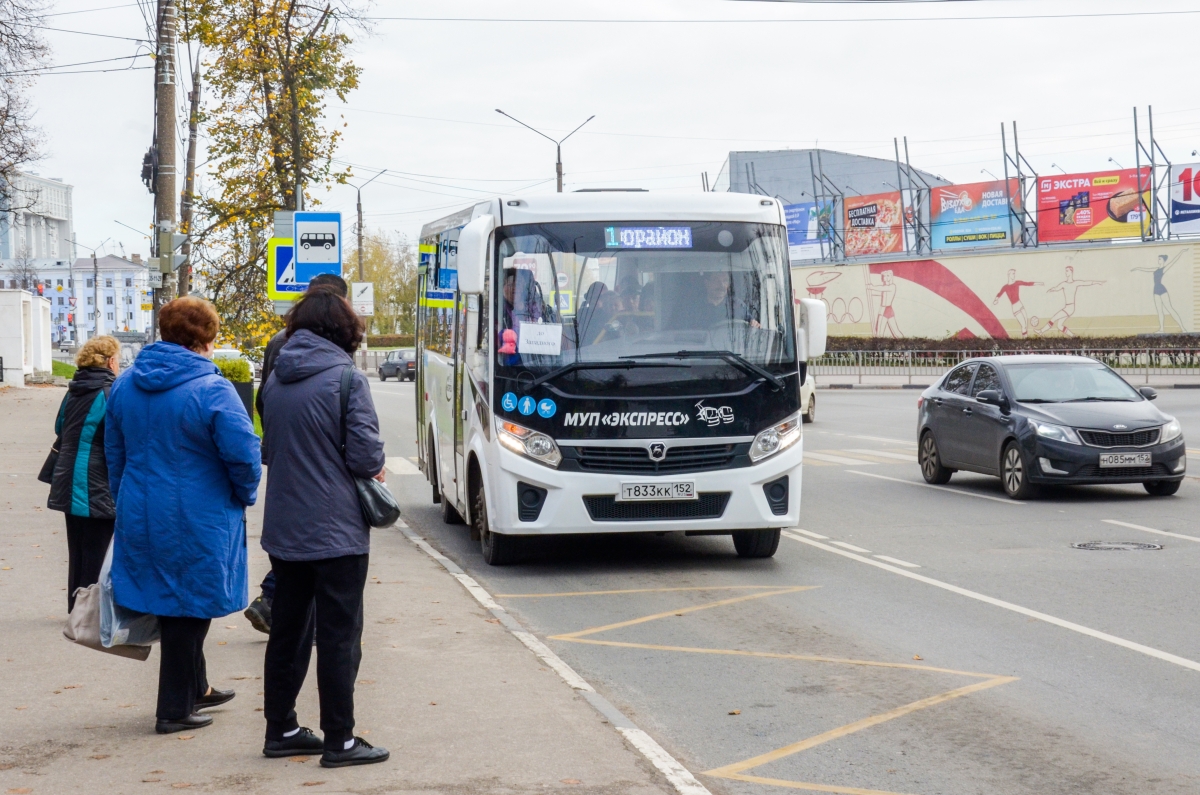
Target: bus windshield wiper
(583, 365)
(738, 361)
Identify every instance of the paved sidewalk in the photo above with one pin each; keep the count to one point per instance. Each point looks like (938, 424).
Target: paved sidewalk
(461, 704)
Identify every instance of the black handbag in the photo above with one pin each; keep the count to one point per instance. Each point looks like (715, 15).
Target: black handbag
(47, 473)
(379, 507)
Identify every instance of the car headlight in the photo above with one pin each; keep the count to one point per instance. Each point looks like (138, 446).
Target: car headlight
(1059, 433)
(1172, 430)
(775, 439)
(529, 443)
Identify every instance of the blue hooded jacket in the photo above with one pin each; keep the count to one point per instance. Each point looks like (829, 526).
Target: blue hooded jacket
(183, 465)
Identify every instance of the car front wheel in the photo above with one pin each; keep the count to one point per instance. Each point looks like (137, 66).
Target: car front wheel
(810, 411)
(1162, 488)
(931, 462)
(1014, 473)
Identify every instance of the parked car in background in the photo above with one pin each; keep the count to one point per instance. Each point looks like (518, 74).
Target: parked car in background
(400, 364)
(234, 353)
(1047, 420)
(808, 398)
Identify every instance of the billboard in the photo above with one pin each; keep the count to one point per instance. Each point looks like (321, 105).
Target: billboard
(1060, 291)
(807, 226)
(975, 214)
(1096, 206)
(1185, 199)
(873, 224)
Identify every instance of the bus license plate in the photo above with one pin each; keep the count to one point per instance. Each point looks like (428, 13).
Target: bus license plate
(1124, 460)
(680, 490)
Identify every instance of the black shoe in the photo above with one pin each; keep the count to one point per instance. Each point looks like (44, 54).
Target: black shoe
(361, 753)
(193, 721)
(303, 742)
(214, 699)
(259, 614)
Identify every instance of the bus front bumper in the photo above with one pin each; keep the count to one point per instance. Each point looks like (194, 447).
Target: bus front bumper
(584, 502)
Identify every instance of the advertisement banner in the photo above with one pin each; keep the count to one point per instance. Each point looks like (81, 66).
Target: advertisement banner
(975, 214)
(873, 224)
(1098, 206)
(1185, 199)
(807, 226)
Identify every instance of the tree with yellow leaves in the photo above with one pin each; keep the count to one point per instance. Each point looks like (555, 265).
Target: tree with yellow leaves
(271, 67)
(390, 263)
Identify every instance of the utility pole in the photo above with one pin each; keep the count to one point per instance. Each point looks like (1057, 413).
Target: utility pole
(164, 135)
(96, 290)
(557, 144)
(358, 190)
(189, 182)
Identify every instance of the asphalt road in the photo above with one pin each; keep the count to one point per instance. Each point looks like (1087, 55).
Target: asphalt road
(905, 638)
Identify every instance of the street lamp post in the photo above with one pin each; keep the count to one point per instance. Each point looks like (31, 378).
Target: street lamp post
(95, 292)
(358, 191)
(557, 144)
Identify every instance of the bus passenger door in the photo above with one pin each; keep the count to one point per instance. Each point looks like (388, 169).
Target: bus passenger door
(460, 364)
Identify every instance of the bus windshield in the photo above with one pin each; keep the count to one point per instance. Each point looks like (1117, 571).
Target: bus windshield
(611, 292)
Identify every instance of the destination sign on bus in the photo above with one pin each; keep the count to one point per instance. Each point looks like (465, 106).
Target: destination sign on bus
(647, 237)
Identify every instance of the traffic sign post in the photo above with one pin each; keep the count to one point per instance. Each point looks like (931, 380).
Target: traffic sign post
(362, 296)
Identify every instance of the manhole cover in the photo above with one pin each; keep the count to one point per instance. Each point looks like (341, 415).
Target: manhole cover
(1118, 546)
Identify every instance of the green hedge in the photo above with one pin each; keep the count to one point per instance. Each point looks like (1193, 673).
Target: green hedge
(237, 370)
(1055, 343)
(390, 341)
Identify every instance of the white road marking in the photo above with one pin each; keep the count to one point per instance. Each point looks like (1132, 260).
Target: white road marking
(939, 488)
(1149, 651)
(898, 456)
(399, 465)
(679, 776)
(1151, 530)
(898, 562)
(811, 534)
(851, 547)
(836, 459)
(885, 439)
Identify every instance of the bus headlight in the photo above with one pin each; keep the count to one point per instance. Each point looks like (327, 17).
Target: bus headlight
(775, 439)
(529, 443)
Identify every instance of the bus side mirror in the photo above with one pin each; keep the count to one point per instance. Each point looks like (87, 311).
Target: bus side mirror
(811, 328)
(472, 254)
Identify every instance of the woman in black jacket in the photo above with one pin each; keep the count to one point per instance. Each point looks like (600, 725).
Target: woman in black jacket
(79, 483)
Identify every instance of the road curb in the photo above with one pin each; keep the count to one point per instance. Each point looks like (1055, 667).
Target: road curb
(680, 777)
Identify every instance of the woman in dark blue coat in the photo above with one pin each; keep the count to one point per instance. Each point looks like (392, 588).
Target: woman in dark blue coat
(184, 463)
(313, 528)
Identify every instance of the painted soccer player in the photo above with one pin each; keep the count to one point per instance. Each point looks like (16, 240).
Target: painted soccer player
(887, 316)
(1162, 299)
(1013, 290)
(1068, 287)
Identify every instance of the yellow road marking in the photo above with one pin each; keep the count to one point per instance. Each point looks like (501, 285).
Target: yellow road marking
(737, 770)
(640, 590)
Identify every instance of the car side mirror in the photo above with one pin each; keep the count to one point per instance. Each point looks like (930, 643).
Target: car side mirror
(472, 254)
(1148, 392)
(993, 397)
(811, 328)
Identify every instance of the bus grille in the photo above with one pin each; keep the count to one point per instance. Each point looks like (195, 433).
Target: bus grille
(636, 460)
(605, 508)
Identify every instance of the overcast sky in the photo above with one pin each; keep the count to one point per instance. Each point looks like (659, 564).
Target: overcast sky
(671, 97)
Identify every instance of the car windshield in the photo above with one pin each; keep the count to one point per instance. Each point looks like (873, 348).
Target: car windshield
(1054, 382)
(612, 292)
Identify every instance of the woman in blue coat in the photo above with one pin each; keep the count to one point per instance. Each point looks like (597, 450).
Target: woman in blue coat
(183, 463)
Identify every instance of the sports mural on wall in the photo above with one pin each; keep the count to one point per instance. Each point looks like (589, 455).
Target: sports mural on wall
(1136, 289)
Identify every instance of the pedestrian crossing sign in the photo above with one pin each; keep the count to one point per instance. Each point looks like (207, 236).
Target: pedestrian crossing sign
(281, 271)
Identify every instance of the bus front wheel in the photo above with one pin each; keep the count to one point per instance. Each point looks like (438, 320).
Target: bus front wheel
(756, 543)
(498, 549)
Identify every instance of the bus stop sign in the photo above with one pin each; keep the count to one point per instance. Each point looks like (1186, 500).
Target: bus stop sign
(318, 245)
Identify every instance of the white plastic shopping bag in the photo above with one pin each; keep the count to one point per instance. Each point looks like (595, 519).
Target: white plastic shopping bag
(120, 626)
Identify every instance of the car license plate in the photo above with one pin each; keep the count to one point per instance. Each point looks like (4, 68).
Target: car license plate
(679, 490)
(1124, 460)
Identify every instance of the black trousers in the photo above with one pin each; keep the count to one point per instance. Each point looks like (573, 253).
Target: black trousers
(336, 585)
(87, 544)
(182, 673)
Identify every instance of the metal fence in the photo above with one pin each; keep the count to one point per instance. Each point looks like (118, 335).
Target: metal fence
(369, 359)
(1133, 363)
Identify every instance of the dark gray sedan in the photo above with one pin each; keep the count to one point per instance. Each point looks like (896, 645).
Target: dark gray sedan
(400, 364)
(1047, 420)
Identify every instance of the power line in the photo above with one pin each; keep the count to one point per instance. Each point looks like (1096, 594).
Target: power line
(783, 20)
(47, 69)
(96, 71)
(88, 33)
(86, 10)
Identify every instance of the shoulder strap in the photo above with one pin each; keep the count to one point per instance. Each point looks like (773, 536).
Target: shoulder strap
(347, 383)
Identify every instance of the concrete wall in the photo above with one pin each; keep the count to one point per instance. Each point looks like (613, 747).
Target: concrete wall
(25, 325)
(1111, 291)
